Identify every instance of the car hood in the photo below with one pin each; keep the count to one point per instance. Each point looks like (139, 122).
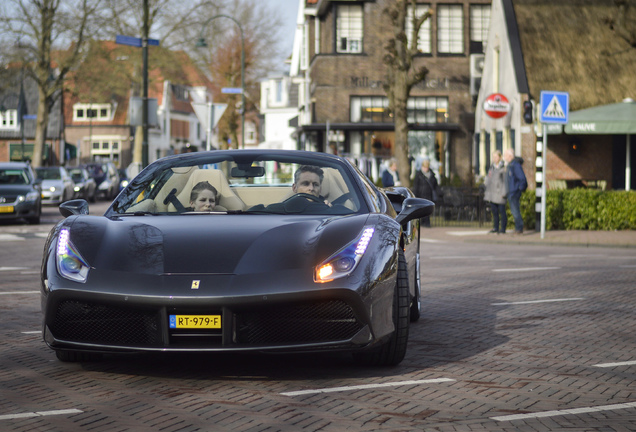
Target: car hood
(13, 190)
(211, 244)
(49, 183)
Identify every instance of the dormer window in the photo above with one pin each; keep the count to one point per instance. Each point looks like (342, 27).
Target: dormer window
(92, 112)
(9, 119)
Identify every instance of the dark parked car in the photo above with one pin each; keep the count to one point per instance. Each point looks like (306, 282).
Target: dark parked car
(57, 184)
(106, 178)
(20, 192)
(85, 186)
(301, 253)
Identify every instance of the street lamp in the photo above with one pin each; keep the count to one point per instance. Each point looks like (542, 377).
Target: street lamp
(202, 44)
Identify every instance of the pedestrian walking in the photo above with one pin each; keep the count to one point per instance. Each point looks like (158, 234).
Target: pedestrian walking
(495, 184)
(390, 176)
(516, 185)
(425, 186)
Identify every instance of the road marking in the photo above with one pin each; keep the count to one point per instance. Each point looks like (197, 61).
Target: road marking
(32, 332)
(608, 365)
(39, 414)
(431, 241)
(577, 256)
(13, 268)
(538, 301)
(19, 292)
(526, 269)
(10, 237)
(466, 233)
(565, 412)
(454, 257)
(367, 386)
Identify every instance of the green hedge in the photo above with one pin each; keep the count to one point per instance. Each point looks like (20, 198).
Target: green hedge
(581, 209)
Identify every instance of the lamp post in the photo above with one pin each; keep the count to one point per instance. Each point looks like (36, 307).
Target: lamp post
(202, 44)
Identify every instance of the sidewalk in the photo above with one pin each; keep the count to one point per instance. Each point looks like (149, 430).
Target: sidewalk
(625, 239)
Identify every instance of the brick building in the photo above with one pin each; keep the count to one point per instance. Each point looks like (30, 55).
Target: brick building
(590, 59)
(337, 61)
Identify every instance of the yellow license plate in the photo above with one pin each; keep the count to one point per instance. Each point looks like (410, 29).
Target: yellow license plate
(195, 321)
(6, 209)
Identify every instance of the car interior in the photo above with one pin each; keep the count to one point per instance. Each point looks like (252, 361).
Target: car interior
(234, 195)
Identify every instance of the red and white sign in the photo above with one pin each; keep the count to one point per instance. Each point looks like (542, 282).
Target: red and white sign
(496, 105)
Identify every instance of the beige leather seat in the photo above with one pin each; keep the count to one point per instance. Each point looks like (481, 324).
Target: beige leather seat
(177, 181)
(228, 199)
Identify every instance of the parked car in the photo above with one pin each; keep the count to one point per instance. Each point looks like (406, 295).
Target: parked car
(57, 184)
(85, 186)
(106, 178)
(290, 259)
(19, 192)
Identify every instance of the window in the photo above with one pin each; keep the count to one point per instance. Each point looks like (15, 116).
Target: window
(92, 112)
(106, 147)
(349, 28)
(279, 91)
(370, 109)
(375, 109)
(9, 119)
(427, 110)
(450, 30)
(479, 23)
(424, 36)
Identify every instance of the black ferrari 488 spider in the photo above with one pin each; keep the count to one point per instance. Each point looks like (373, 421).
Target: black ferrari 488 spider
(240, 250)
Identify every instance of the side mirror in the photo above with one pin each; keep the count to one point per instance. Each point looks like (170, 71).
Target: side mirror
(74, 207)
(414, 208)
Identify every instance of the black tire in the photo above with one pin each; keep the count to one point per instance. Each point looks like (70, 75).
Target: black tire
(35, 220)
(77, 356)
(416, 305)
(392, 352)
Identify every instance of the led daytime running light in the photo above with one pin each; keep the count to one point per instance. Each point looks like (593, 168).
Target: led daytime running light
(364, 241)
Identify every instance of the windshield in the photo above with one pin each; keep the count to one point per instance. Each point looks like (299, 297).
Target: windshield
(49, 173)
(77, 175)
(264, 186)
(13, 176)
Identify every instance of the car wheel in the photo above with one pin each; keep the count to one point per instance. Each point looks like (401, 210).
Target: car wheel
(77, 356)
(393, 351)
(416, 306)
(35, 220)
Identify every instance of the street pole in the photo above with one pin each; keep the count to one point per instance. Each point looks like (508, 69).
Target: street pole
(201, 43)
(144, 115)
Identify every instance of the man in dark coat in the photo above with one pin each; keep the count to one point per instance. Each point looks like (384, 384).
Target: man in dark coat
(516, 185)
(425, 186)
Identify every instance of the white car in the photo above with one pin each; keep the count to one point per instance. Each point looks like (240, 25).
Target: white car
(57, 184)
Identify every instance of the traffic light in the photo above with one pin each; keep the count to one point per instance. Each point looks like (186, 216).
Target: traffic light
(527, 111)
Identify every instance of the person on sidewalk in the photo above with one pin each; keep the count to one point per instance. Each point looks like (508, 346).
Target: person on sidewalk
(516, 185)
(390, 176)
(495, 184)
(425, 186)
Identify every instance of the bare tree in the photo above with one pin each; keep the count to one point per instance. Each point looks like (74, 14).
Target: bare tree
(402, 74)
(41, 26)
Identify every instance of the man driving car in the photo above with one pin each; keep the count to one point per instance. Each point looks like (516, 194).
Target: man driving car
(308, 180)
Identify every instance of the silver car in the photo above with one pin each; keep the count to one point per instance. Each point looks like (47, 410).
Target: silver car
(57, 184)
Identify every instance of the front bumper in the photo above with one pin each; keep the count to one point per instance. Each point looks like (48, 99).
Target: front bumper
(325, 323)
(26, 209)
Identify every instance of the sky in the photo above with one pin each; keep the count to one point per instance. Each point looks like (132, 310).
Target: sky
(288, 10)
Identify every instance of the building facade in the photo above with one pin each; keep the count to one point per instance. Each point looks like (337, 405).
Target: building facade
(338, 64)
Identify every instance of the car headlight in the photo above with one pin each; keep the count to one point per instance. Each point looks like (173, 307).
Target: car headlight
(77, 188)
(33, 196)
(105, 185)
(52, 188)
(70, 263)
(343, 262)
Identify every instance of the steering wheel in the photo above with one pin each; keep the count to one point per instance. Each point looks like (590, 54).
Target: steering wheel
(306, 196)
(342, 199)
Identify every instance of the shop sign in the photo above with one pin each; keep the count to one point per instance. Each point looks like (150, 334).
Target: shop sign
(496, 105)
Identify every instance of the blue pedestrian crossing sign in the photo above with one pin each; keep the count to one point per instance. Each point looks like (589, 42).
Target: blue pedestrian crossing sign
(555, 107)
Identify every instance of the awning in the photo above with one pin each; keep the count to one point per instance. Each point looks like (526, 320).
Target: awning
(378, 126)
(612, 119)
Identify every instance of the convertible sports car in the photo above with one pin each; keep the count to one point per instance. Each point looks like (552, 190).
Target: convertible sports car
(301, 253)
